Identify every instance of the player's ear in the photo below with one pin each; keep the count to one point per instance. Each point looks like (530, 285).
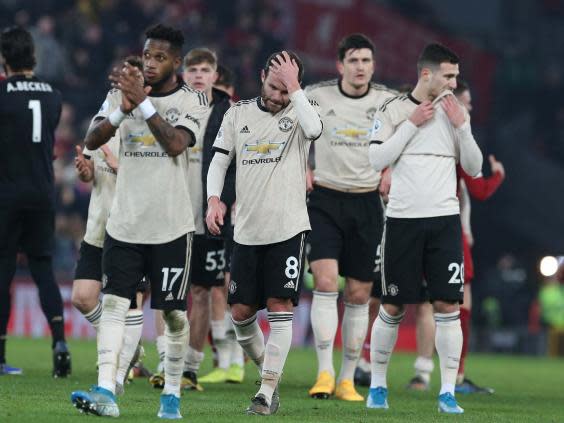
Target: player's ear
(340, 67)
(215, 76)
(177, 61)
(262, 75)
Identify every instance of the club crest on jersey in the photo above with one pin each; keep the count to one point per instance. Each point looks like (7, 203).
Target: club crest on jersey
(232, 287)
(285, 124)
(393, 290)
(172, 115)
(371, 112)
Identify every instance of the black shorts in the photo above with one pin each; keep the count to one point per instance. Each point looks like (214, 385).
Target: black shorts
(89, 264)
(208, 262)
(166, 265)
(260, 272)
(31, 230)
(420, 249)
(347, 227)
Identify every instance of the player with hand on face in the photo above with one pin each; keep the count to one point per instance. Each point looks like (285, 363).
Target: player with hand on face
(269, 138)
(422, 136)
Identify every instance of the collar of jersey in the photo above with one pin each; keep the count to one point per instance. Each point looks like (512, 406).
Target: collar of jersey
(261, 106)
(179, 86)
(413, 99)
(354, 97)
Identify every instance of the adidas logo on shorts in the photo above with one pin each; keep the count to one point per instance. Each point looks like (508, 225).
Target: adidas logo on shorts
(290, 284)
(169, 297)
(245, 130)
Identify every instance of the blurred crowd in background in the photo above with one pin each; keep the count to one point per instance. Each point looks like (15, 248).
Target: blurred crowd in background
(79, 41)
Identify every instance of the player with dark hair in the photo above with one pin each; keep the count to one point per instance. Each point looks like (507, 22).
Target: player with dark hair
(149, 230)
(225, 80)
(29, 113)
(346, 214)
(422, 136)
(269, 137)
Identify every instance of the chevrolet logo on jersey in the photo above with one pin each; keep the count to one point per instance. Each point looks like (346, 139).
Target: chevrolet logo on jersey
(264, 148)
(144, 141)
(353, 133)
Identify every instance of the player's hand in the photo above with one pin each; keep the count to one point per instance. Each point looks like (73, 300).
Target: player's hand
(214, 215)
(84, 169)
(309, 180)
(109, 157)
(385, 184)
(129, 80)
(422, 113)
(286, 72)
(453, 110)
(497, 167)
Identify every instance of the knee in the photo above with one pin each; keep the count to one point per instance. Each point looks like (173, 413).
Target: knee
(446, 306)
(277, 305)
(84, 301)
(393, 310)
(357, 292)
(325, 282)
(241, 312)
(176, 320)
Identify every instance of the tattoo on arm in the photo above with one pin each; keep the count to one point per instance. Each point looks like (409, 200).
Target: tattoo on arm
(99, 134)
(173, 140)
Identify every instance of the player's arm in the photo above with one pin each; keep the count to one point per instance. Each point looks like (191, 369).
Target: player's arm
(287, 71)
(470, 154)
(382, 154)
(102, 130)
(224, 151)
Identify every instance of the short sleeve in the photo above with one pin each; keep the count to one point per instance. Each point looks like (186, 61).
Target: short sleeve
(112, 101)
(193, 113)
(382, 127)
(225, 139)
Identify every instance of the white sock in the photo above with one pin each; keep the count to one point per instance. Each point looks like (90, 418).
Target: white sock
(448, 342)
(161, 347)
(110, 338)
(251, 339)
(236, 355)
(382, 342)
(324, 322)
(177, 332)
(276, 351)
(93, 316)
(218, 332)
(192, 360)
(131, 337)
(424, 367)
(354, 327)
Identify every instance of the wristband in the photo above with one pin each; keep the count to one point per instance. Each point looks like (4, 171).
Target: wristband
(147, 108)
(116, 117)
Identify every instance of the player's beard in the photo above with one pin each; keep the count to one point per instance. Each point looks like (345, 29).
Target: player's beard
(157, 86)
(268, 102)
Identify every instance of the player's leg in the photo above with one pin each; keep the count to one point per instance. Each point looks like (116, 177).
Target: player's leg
(242, 296)
(37, 241)
(169, 273)
(123, 266)
(282, 271)
(212, 276)
(236, 372)
(354, 328)
(425, 334)
(402, 248)
(87, 284)
(10, 231)
(131, 337)
(325, 245)
(443, 267)
(360, 262)
(362, 373)
(199, 327)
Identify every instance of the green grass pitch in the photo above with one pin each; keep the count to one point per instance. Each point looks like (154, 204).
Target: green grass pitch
(527, 390)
